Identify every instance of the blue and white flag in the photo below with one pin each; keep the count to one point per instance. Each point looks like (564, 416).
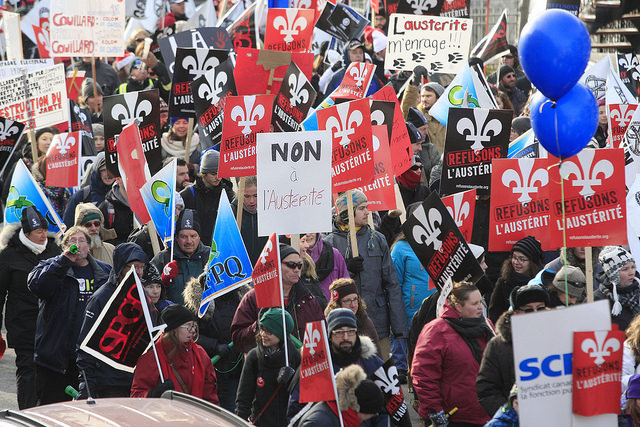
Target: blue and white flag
(25, 191)
(526, 145)
(158, 194)
(228, 267)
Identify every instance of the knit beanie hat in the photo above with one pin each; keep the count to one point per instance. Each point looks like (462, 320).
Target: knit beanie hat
(612, 259)
(286, 250)
(87, 88)
(271, 320)
(370, 397)
(416, 117)
(175, 316)
(414, 134)
(150, 275)
(209, 161)
(530, 247)
(575, 281)
(340, 317)
(379, 41)
(357, 196)
(32, 219)
(435, 87)
(98, 129)
(188, 220)
(504, 70)
(342, 288)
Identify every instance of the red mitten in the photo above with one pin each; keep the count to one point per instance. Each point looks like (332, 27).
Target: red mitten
(169, 272)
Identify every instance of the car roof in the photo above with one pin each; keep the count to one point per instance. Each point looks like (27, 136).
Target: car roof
(173, 408)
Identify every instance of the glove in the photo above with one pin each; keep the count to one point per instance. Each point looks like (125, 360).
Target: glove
(3, 346)
(355, 265)
(169, 272)
(418, 73)
(223, 350)
(439, 419)
(285, 374)
(161, 388)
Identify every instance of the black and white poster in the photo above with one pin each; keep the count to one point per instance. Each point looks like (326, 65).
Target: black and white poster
(341, 22)
(386, 378)
(80, 121)
(475, 136)
(382, 114)
(293, 101)
(10, 133)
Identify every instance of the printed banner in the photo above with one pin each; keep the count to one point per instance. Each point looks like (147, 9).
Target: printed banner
(244, 118)
(571, 6)
(289, 30)
(10, 133)
(228, 266)
(526, 146)
(456, 9)
(439, 245)
(341, 21)
(475, 136)
(494, 43)
(43, 39)
(87, 28)
(293, 101)
(595, 78)
(439, 44)
(295, 182)
(462, 207)
(266, 275)
(386, 378)
(63, 159)
(158, 196)
(16, 68)
(316, 369)
(204, 38)
(356, 81)
(619, 116)
(380, 193)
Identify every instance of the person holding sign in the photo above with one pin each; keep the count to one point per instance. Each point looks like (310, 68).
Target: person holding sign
(139, 79)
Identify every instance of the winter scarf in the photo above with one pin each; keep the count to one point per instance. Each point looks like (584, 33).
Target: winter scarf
(470, 330)
(628, 297)
(175, 147)
(32, 246)
(324, 263)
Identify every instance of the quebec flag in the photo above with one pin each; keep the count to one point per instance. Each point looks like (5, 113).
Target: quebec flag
(229, 266)
(24, 192)
(158, 194)
(526, 145)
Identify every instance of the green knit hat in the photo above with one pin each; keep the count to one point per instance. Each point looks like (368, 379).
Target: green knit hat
(271, 320)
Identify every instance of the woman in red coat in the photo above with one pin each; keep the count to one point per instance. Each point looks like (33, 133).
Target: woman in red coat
(447, 359)
(185, 365)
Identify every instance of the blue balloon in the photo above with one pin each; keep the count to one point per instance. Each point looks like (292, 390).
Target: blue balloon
(554, 51)
(576, 118)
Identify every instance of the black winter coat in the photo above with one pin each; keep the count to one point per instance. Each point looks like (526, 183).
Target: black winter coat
(249, 231)
(117, 215)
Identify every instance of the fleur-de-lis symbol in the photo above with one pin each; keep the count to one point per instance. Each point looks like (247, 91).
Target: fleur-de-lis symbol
(43, 37)
(628, 61)
(622, 115)
(312, 338)
(422, 6)
(289, 26)
(460, 210)
(266, 251)
(387, 381)
(358, 70)
(200, 64)
(377, 117)
(249, 115)
(631, 138)
(480, 130)
(586, 176)
(427, 232)
(65, 143)
(7, 129)
(524, 180)
(345, 125)
(601, 347)
(211, 90)
(299, 95)
(131, 110)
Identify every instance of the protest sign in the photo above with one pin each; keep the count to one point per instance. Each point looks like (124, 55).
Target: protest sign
(350, 126)
(439, 44)
(12, 35)
(571, 6)
(87, 28)
(38, 99)
(520, 204)
(462, 207)
(133, 169)
(228, 266)
(80, 121)
(293, 101)
(341, 21)
(475, 136)
(316, 368)
(356, 81)
(15, 68)
(63, 160)
(266, 275)
(494, 43)
(205, 16)
(190, 64)
(244, 118)
(439, 245)
(243, 31)
(36, 16)
(619, 116)
(595, 78)
(123, 109)
(209, 97)
(386, 378)
(631, 145)
(289, 30)
(211, 38)
(628, 70)
(616, 91)
(158, 195)
(294, 183)
(10, 133)
(456, 9)
(382, 115)
(381, 195)
(543, 363)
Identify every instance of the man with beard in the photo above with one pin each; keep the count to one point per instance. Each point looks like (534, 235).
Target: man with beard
(90, 218)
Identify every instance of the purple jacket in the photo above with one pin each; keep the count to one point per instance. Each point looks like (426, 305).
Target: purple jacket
(328, 270)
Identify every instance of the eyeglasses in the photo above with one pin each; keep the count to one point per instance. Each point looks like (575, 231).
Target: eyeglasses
(139, 40)
(345, 332)
(508, 56)
(191, 327)
(90, 224)
(293, 265)
(532, 309)
(520, 259)
(76, 241)
(350, 301)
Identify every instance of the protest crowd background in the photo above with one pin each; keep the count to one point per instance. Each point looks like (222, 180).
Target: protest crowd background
(321, 213)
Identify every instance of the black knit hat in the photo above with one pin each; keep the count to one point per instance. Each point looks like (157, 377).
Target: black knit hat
(370, 397)
(188, 220)
(414, 134)
(416, 117)
(32, 219)
(521, 124)
(150, 275)
(523, 295)
(504, 70)
(175, 316)
(530, 247)
(286, 250)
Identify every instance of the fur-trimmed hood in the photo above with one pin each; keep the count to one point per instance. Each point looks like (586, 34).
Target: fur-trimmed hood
(367, 347)
(503, 326)
(11, 230)
(346, 383)
(572, 260)
(192, 295)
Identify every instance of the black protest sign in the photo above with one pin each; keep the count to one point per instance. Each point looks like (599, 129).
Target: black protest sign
(209, 37)
(474, 137)
(81, 122)
(293, 101)
(629, 70)
(209, 97)
(190, 64)
(10, 133)
(121, 110)
(386, 378)
(439, 245)
(420, 7)
(341, 22)
(382, 114)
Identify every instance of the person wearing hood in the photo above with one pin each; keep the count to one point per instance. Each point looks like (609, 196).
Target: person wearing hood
(22, 246)
(90, 218)
(619, 284)
(354, 52)
(117, 213)
(64, 285)
(104, 380)
(249, 230)
(329, 263)
(190, 256)
(95, 186)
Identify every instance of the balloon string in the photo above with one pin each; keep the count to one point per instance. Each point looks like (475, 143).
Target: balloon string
(564, 218)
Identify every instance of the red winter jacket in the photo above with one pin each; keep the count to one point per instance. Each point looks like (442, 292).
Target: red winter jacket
(444, 372)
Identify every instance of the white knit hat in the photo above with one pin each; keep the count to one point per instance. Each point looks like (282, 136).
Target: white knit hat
(612, 259)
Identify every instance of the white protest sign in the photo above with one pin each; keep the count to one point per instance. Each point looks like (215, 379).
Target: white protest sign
(543, 364)
(12, 35)
(46, 103)
(438, 43)
(87, 28)
(294, 182)
(35, 16)
(14, 68)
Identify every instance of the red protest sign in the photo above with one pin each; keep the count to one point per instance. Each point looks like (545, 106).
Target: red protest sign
(594, 199)
(62, 160)
(597, 371)
(520, 205)
(289, 30)
(401, 152)
(316, 377)
(133, 168)
(356, 81)
(352, 159)
(619, 117)
(462, 206)
(244, 117)
(380, 193)
(42, 39)
(266, 275)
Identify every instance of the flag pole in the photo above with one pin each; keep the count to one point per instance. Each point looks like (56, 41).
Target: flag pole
(240, 198)
(352, 226)
(173, 208)
(284, 320)
(187, 145)
(333, 377)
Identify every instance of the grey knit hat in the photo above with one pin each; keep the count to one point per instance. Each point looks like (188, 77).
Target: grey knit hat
(435, 87)
(209, 161)
(575, 281)
(340, 317)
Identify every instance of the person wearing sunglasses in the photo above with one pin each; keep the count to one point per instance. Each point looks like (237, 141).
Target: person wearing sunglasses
(496, 375)
(185, 365)
(90, 218)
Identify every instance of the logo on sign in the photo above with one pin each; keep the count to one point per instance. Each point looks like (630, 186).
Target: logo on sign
(479, 131)
(313, 338)
(299, 95)
(359, 73)
(427, 232)
(596, 85)
(265, 252)
(289, 26)
(422, 6)
(80, 114)
(7, 129)
(159, 191)
(387, 380)
(66, 143)
(633, 138)
(131, 110)
(600, 347)
(249, 116)
(198, 65)
(525, 181)
(628, 61)
(587, 176)
(345, 125)
(460, 210)
(213, 94)
(622, 115)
